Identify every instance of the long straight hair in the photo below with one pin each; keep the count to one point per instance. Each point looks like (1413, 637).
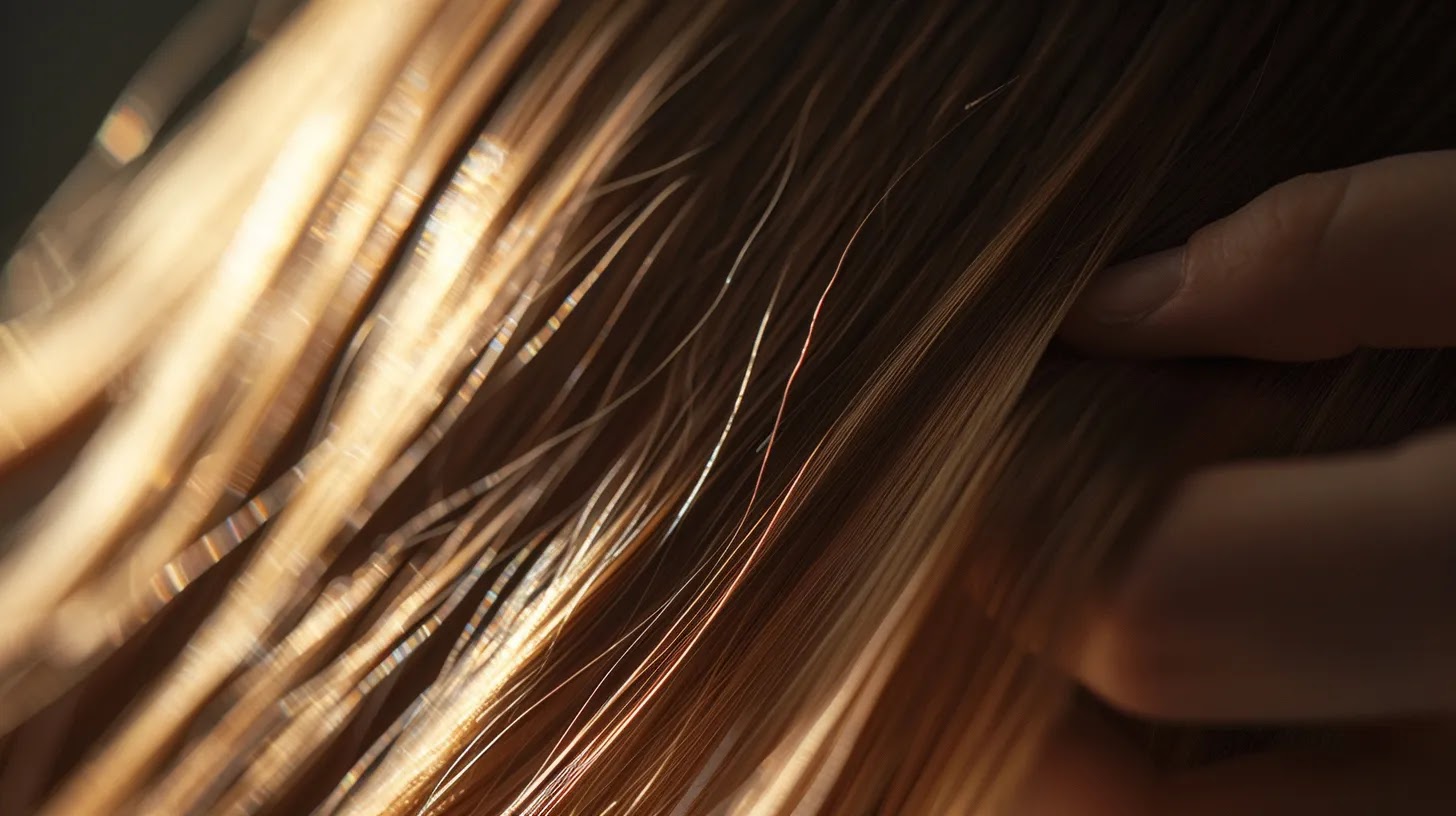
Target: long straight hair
(643, 407)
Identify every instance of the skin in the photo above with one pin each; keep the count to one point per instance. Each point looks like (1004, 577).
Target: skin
(1318, 591)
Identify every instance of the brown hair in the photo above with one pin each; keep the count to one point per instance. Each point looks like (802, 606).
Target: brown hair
(584, 407)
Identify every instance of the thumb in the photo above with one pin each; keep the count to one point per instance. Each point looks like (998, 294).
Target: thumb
(1311, 269)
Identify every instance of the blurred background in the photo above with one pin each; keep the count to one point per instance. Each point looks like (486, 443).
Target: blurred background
(65, 62)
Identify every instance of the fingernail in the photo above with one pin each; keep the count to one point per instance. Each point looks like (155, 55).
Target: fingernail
(1131, 291)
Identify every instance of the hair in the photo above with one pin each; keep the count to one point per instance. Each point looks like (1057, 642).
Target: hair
(580, 407)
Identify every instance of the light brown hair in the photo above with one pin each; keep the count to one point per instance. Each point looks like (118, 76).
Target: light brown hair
(581, 407)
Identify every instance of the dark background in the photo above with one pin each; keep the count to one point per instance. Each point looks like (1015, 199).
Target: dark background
(65, 62)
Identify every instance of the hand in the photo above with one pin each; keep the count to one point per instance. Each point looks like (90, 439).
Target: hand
(1302, 590)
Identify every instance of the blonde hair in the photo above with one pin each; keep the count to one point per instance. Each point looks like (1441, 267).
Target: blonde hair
(579, 407)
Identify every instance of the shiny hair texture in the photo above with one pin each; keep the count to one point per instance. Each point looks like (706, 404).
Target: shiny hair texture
(654, 406)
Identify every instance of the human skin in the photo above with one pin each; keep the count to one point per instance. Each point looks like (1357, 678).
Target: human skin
(1310, 590)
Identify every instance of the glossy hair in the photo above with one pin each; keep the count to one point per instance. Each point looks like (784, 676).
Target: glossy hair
(641, 407)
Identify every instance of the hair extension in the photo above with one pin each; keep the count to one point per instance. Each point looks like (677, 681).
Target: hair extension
(564, 406)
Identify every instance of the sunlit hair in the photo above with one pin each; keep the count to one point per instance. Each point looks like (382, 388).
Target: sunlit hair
(637, 407)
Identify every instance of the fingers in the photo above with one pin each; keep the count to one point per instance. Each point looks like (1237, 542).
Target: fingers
(1308, 589)
(1314, 268)
(1302, 589)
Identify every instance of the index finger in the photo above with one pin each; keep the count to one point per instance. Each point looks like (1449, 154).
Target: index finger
(1312, 269)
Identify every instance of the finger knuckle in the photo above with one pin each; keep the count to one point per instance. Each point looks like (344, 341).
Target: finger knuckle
(1286, 225)
(1267, 260)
